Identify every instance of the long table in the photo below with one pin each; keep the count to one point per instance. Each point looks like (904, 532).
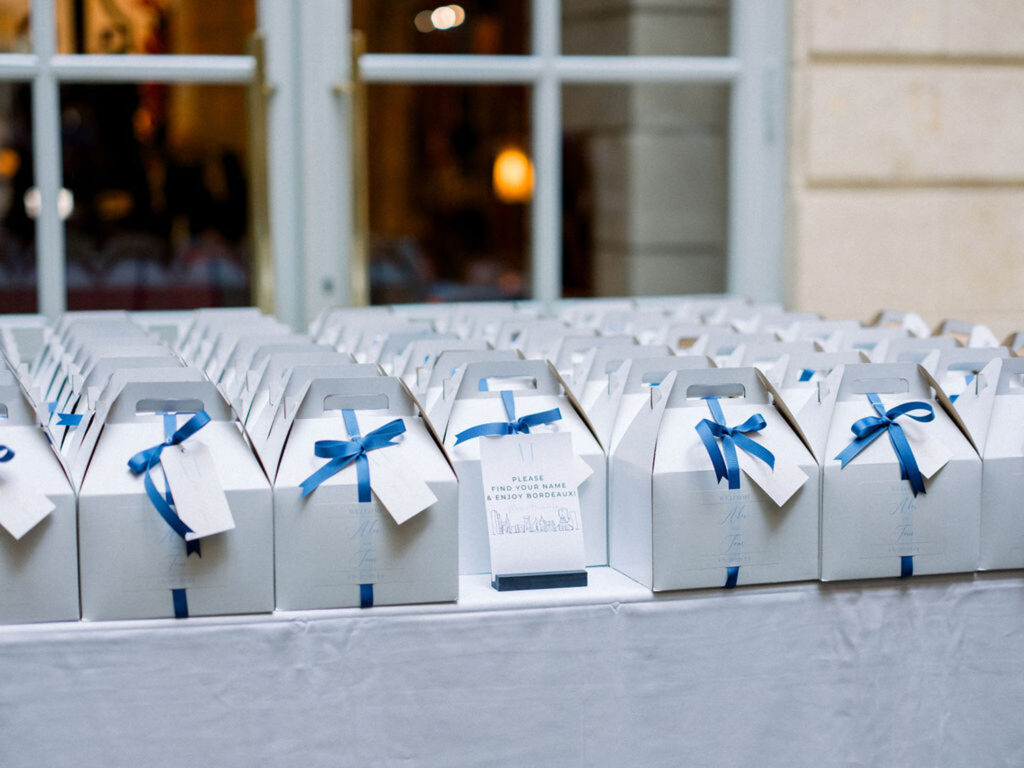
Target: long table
(923, 672)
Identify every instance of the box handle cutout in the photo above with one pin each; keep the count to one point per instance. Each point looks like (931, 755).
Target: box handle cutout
(153, 405)
(879, 386)
(700, 391)
(512, 383)
(376, 402)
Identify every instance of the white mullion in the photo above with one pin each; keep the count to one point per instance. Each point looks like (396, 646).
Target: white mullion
(18, 66)
(546, 119)
(470, 68)
(443, 68)
(124, 68)
(47, 153)
(757, 150)
(647, 69)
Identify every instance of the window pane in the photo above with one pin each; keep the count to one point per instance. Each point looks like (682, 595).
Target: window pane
(167, 26)
(644, 179)
(442, 227)
(158, 208)
(421, 26)
(17, 224)
(664, 28)
(14, 27)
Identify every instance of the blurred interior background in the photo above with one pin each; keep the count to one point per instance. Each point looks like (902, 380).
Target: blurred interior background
(881, 163)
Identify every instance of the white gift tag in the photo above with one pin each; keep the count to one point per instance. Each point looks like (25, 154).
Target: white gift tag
(399, 489)
(779, 483)
(930, 454)
(531, 503)
(198, 496)
(21, 509)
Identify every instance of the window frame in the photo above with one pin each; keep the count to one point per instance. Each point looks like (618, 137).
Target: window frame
(310, 75)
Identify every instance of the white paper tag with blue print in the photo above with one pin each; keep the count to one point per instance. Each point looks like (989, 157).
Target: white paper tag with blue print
(198, 495)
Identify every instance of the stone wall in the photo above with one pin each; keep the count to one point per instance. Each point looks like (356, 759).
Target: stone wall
(907, 158)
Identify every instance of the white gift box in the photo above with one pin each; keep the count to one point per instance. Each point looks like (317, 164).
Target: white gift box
(266, 382)
(536, 388)
(415, 365)
(395, 346)
(957, 370)
(967, 334)
(274, 411)
(992, 408)
(133, 565)
(537, 339)
(911, 321)
(39, 569)
(772, 358)
(576, 354)
(873, 524)
(911, 350)
(809, 387)
(674, 525)
(334, 551)
(690, 338)
(445, 376)
(204, 322)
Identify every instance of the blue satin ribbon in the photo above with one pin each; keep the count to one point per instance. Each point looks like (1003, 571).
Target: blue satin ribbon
(144, 461)
(69, 419)
(513, 426)
(180, 603)
(366, 595)
(806, 374)
(906, 566)
(867, 429)
(732, 574)
(343, 452)
(725, 460)
(6, 454)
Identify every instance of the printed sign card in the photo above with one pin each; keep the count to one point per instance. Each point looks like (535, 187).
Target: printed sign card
(533, 511)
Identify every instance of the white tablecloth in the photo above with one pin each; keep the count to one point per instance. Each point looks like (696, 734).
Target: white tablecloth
(925, 672)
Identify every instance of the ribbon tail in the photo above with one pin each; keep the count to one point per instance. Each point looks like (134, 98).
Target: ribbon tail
(908, 464)
(363, 478)
(711, 445)
(731, 461)
(857, 445)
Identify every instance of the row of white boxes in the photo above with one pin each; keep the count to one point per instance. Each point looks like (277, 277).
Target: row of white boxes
(652, 393)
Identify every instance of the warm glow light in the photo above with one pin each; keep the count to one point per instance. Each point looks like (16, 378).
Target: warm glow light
(443, 17)
(10, 162)
(513, 176)
(34, 202)
(460, 14)
(423, 22)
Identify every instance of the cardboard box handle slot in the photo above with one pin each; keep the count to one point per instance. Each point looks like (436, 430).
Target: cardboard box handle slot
(375, 402)
(879, 386)
(514, 383)
(700, 391)
(150, 405)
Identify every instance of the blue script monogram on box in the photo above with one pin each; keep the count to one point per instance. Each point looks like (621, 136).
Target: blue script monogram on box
(711, 485)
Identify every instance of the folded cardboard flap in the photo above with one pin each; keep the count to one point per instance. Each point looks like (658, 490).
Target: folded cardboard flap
(540, 371)
(819, 362)
(691, 386)
(1010, 377)
(326, 397)
(904, 378)
(144, 398)
(649, 371)
(608, 360)
(449, 360)
(772, 351)
(572, 349)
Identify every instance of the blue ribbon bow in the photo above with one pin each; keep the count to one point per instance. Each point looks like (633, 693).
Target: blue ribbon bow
(144, 461)
(806, 374)
(513, 426)
(867, 429)
(725, 460)
(6, 454)
(343, 452)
